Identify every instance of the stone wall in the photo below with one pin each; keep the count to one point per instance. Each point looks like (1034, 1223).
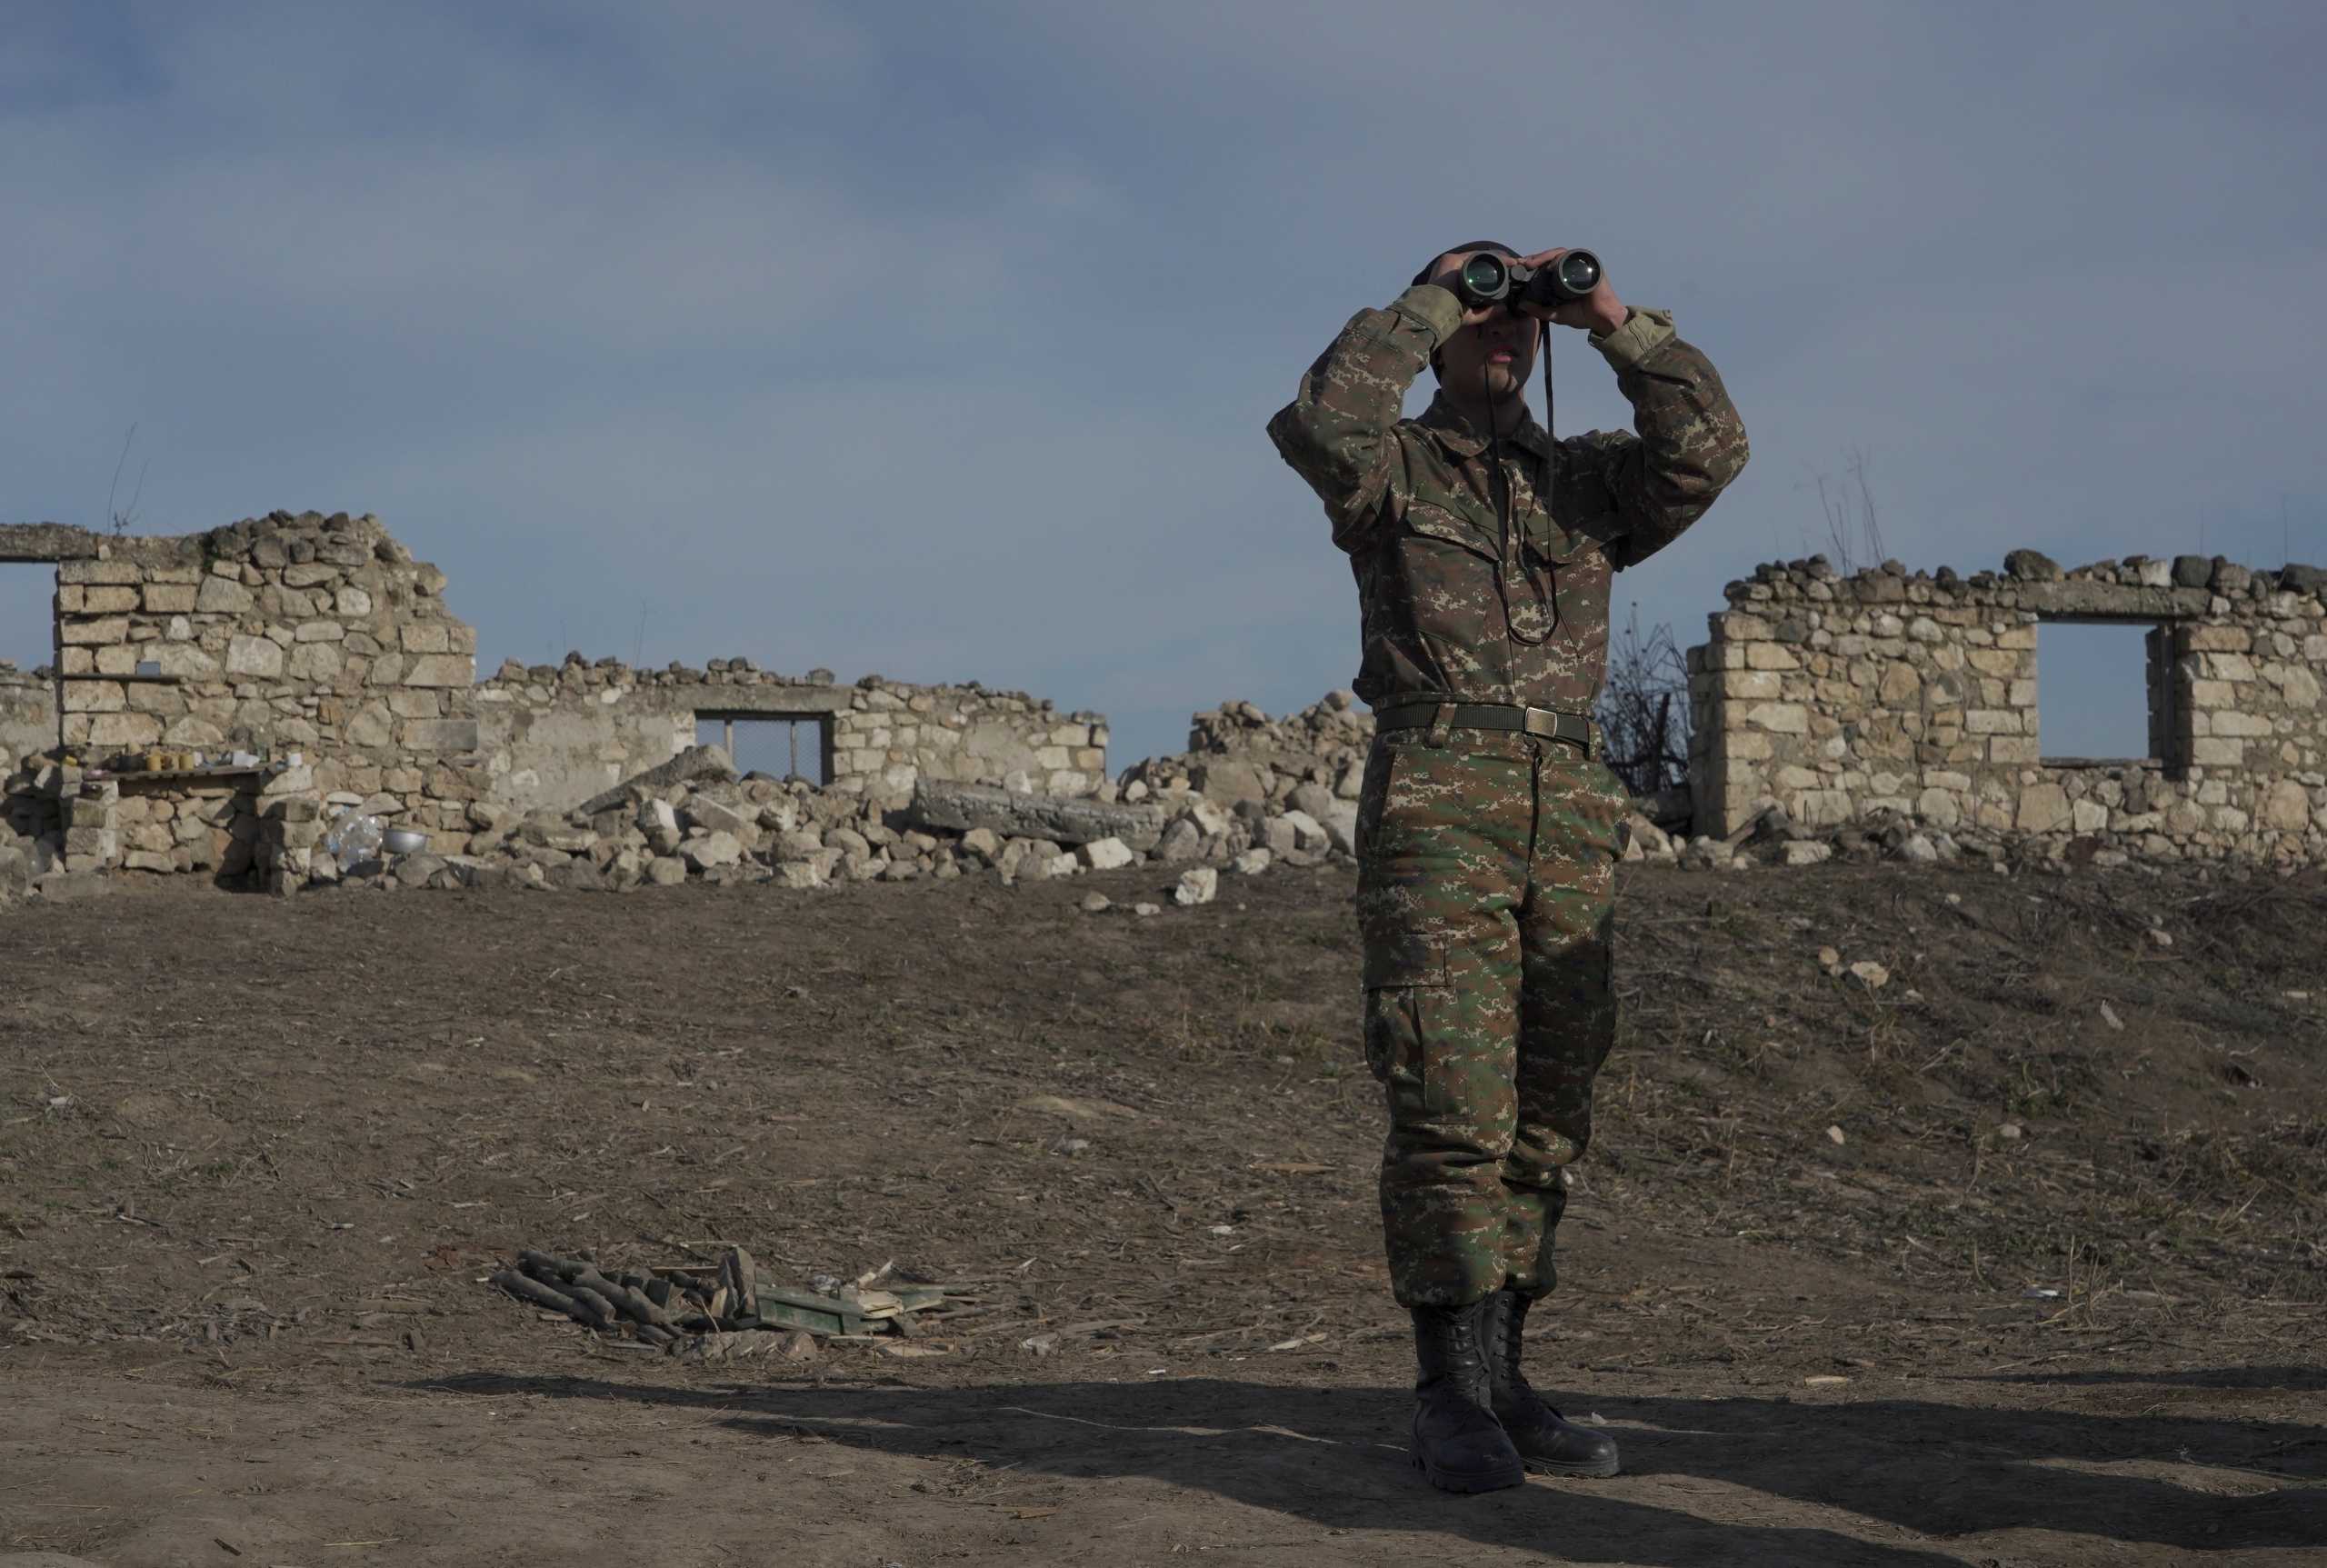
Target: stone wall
(553, 736)
(1914, 696)
(1237, 756)
(27, 714)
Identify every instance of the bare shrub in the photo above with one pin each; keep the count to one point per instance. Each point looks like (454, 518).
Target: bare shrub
(1643, 710)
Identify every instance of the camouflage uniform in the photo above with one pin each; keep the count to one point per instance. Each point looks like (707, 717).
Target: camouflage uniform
(1486, 858)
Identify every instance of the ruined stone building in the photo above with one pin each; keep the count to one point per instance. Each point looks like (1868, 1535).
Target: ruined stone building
(320, 638)
(1841, 697)
(317, 670)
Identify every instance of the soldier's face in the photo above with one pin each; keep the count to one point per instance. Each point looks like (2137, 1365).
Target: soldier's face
(1495, 357)
(1493, 351)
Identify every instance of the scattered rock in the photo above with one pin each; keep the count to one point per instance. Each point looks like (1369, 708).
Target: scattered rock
(713, 849)
(1870, 974)
(1198, 885)
(1106, 854)
(1097, 903)
(1835, 1135)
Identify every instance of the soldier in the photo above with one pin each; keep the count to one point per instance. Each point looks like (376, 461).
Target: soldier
(1487, 824)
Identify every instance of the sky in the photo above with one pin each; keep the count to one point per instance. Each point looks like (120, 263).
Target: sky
(939, 342)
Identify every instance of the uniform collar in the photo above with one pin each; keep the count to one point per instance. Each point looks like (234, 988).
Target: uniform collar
(1464, 439)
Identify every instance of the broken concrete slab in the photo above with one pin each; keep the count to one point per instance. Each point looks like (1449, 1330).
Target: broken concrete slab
(690, 766)
(964, 808)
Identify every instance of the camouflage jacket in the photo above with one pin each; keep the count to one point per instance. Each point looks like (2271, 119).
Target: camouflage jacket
(1451, 607)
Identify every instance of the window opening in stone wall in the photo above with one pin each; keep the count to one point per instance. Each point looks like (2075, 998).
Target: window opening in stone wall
(778, 746)
(2103, 691)
(27, 615)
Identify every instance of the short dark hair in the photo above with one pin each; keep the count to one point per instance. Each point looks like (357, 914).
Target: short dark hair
(1427, 267)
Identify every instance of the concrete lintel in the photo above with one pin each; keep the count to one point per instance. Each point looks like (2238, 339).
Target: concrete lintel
(2111, 602)
(711, 701)
(46, 542)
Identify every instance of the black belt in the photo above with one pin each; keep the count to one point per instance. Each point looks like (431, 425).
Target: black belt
(1548, 723)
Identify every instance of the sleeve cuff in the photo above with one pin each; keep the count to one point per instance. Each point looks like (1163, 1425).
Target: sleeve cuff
(1643, 334)
(1432, 308)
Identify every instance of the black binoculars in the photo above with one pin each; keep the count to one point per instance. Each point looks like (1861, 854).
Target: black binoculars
(1487, 278)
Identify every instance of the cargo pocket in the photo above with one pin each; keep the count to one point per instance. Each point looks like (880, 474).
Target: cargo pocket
(1405, 973)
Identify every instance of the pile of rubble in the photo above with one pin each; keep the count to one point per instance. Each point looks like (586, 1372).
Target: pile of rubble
(1236, 752)
(692, 819)
(1771, 837)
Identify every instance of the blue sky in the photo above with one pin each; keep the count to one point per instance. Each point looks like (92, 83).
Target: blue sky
(938, 342)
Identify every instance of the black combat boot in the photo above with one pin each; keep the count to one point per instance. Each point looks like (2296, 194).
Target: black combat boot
(1457, 1442)
(1546, 1443)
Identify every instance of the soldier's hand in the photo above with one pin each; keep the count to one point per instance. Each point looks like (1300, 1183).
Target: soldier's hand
(1450, 269)
(1600, 311)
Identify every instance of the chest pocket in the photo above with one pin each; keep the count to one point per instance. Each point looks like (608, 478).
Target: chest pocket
(1443, 523)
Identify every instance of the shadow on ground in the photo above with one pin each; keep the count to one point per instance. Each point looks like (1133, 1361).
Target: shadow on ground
(1335, 1458)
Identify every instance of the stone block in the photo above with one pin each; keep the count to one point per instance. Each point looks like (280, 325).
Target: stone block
(2014, 749)
(441, 670)
(352, 603)
(94, 697)
(2088, 816)
(441, 737)
(94, 571)
(260, 658)
(1939, 807)
(308, 575)
(368, 727)
(108, 601)
(319, 631)
(92, 632)
(185, 660)
(169, 598)
(315, 663)
(1771, 657)
(1900, 684)
(1781, 718)
(1198, 885)
(2231, 722)
(124, 729)
(2043, 808)
(96, 842)
(424, 637)
(1106, 854)
(2208, 752)
(2285, 807)
(1992, 722)
(218, 596)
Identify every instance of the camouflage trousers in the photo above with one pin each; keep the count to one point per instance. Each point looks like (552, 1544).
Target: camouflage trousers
(1486, 891)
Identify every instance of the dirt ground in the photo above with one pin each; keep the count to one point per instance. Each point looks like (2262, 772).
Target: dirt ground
(257, 1158)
